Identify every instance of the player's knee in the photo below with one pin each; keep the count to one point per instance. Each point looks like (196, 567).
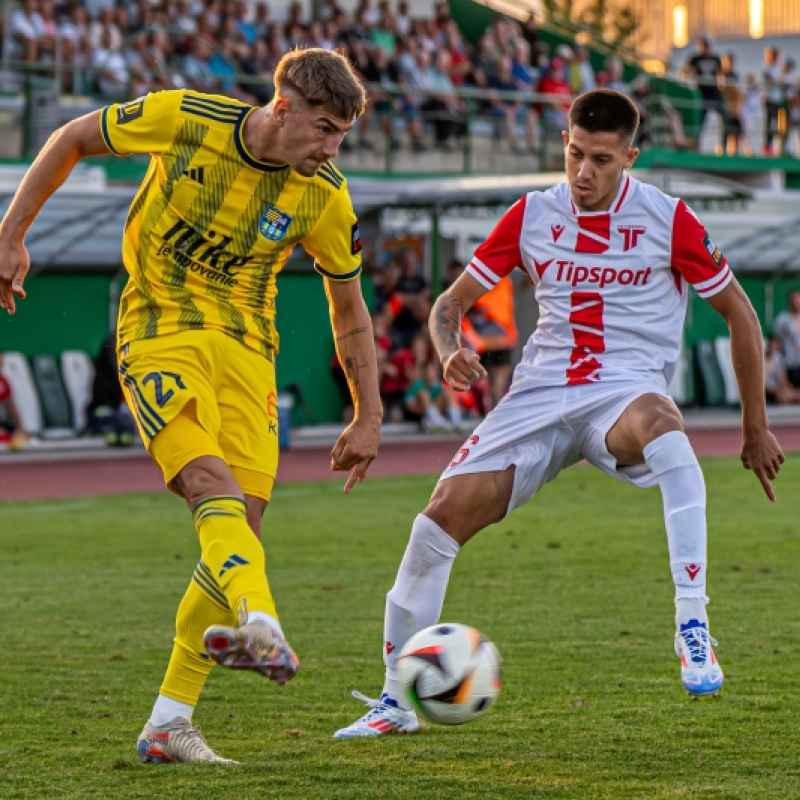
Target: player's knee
(205, 477)
(462, 506)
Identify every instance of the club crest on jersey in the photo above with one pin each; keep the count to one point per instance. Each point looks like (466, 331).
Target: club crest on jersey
(713, 250)
(274, 223)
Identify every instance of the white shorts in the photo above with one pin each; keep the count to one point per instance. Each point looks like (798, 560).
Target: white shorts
(542, 431)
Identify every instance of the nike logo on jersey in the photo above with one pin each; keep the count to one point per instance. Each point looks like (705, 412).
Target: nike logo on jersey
(556, 230)
(196, 174)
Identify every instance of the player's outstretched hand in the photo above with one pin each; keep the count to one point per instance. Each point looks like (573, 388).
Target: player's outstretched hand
(356, 449)
(463, 368)
(762, 454)
(14, 265)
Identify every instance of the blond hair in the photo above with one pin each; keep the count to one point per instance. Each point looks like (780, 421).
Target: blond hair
(323, 79)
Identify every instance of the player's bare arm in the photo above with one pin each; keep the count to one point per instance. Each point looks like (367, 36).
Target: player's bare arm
(760, 450)
(64, 149)
(357, 447)
(462, 366)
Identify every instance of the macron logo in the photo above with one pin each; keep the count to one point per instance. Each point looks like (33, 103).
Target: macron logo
(556, 230)
(390, 648)
(692, 571)
(233, 561)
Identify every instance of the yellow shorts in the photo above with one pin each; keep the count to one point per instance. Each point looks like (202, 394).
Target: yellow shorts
(202, 393)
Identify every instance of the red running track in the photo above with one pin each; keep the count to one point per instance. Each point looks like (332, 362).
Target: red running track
(64, 477)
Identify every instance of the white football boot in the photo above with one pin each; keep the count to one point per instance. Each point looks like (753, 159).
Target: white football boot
(383, 718)
(700, 672)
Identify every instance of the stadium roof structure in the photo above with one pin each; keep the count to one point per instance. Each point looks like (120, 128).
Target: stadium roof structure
(81, 226)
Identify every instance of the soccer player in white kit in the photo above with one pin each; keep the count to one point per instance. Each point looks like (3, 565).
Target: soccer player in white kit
(612, 260)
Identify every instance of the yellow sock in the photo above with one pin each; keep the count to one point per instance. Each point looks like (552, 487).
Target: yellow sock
(203, 605)
(233, 555)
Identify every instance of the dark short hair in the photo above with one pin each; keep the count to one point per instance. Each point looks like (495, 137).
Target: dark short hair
(605, 111)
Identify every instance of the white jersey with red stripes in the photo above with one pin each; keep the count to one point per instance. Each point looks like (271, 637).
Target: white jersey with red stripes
(612, 286)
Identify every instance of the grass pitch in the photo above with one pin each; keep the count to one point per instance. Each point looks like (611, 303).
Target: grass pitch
(574, 589)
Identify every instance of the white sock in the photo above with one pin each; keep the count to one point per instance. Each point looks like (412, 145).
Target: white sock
(688, 609)
(416, 599)
(166, 709)
(683, 491)
(260, 616)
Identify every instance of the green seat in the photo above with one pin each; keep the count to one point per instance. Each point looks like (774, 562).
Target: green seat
(56, 408)
(710, 382)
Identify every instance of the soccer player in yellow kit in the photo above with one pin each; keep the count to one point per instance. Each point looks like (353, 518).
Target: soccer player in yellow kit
(230, 190)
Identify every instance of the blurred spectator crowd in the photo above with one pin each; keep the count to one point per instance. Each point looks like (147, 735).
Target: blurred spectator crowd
(741, 103)
(413, 66)
(411, 382)
(419, 70)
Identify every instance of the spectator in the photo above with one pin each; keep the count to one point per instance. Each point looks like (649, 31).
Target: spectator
(196, 69)
(105, 24)
(111, 72)
(409, 304)
(554, 85)
(732, 98)
(749, 112)
(107, 413)
(530, 33)
(581, 75)
(491, 331)
(791, 88)
(368, 15)
(460, 65)
(445, 109)
(705, 67)
(395, 378)
(26, 31)
(137, 62)
(50, 35)
(787, 331)
(614, 72)
(383, 36)
(261, 21)
(260, 66)
(774, 98)
(511, 110)
(777, 388)
(11, 432)
(429, 403)
(382, 72)
(403, 19)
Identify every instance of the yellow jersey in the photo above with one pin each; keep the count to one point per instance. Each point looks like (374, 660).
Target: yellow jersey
(211, 226)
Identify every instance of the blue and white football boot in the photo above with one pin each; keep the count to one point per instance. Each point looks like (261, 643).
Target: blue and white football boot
(700, 672)
(383, 718)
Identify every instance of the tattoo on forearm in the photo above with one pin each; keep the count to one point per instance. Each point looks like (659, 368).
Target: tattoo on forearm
(446, 324)
(347, 335)
(352, 369)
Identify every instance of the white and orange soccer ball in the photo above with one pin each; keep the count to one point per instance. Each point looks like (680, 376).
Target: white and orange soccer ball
(450, 672)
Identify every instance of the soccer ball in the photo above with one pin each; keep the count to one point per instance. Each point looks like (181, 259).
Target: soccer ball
(450, 672)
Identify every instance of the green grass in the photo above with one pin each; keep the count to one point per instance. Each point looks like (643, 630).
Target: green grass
(574, 589)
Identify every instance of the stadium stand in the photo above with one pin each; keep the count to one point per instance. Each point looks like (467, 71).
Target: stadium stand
(17, 371)
(77, 371)
(710, 382)
(57, 413)
(722, 350)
